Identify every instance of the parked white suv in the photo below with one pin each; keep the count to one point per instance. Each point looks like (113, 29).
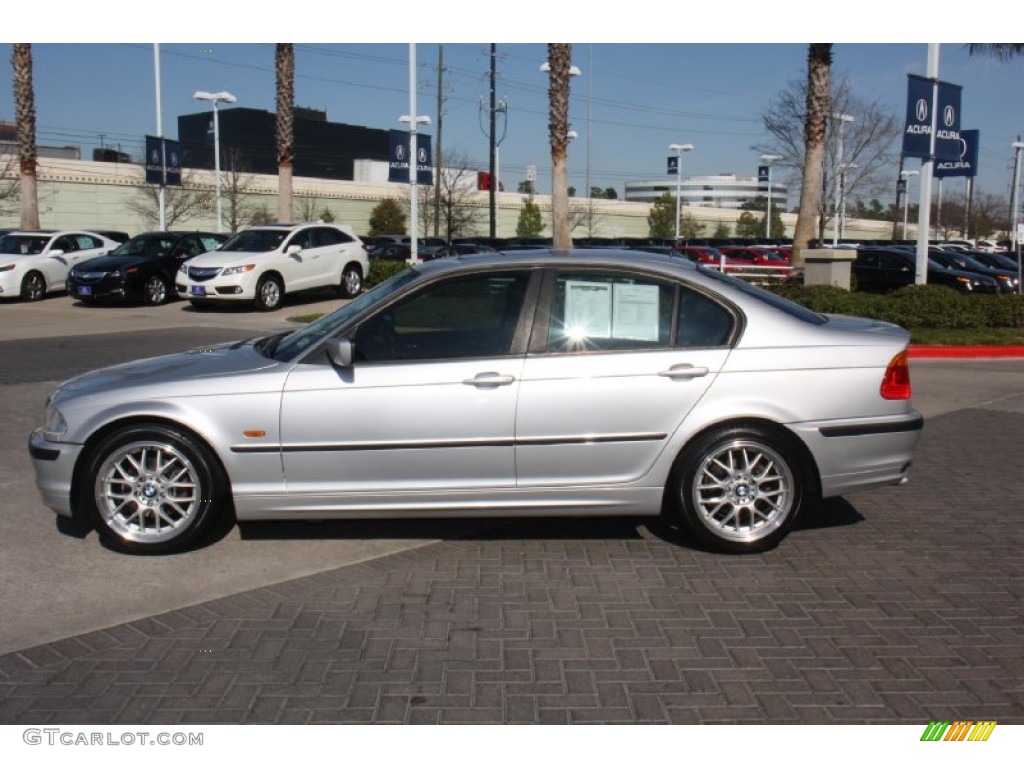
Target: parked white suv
(34, 263)
(261, 264)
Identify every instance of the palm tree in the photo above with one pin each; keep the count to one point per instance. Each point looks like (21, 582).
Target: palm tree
(285, 69)
(25, 109)
(1001, 51)
(819, 67)
(559, 62)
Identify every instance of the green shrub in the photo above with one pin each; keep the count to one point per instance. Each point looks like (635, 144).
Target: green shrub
(382, 269)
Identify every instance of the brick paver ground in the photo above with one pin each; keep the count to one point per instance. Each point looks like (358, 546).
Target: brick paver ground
(899, 605)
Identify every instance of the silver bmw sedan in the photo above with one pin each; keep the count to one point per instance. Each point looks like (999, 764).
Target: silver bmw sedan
(589, 383)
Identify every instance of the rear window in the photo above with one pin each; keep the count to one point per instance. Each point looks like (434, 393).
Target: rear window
(785, 305)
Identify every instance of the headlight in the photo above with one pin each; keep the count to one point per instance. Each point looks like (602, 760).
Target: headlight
(54, 424)
(117, 274)
(238, 270)
(183, 269)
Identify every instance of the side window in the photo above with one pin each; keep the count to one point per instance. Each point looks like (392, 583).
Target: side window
(66, 244)
(593, 311)
(867, 259)
(888, 261)
(473, 316)
(207, 243)
(302, 238)
(702, 322)
(86, 242)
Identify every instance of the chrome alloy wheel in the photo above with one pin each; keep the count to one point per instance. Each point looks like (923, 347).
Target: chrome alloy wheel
(147, 491)
(269, 294)
(743, 490)
(155, 291)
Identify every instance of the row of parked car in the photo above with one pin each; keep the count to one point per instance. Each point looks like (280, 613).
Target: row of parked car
(259, 265)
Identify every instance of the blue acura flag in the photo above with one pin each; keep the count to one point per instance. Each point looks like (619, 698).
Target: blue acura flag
(967, 163)
(673, 165)
(922, 109)
(163, 161)
(398, 158)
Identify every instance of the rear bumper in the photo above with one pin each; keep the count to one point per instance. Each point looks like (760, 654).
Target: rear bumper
(860, 454)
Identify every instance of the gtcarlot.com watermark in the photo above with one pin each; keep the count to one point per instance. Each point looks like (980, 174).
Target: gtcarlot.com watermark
(54, 737)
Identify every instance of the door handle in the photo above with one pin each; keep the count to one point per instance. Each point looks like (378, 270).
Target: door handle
(489, 379)
(684, 371)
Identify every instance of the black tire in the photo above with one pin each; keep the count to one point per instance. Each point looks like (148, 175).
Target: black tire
(269, 293)
(351, 284)
(739, 489)
(33, 286)
(155, 291)
(151, 489)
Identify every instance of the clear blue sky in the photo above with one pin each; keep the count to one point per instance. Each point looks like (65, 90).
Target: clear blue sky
(635, 97)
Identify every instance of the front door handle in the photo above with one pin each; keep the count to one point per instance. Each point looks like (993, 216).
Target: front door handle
(684, 371)
(489, 379)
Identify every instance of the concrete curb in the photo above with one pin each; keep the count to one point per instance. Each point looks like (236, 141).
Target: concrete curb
(931, 351)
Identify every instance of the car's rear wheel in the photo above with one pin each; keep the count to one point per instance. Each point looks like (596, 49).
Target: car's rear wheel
(33, 286)
(155, 291)
(351, 282)
(151, 489)
(739, 489)
(269, 293)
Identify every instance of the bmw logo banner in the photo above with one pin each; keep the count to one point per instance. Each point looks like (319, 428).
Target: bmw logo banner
(925, 106)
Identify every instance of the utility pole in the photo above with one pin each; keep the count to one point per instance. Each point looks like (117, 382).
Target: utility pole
(438, 165)
(492, 200)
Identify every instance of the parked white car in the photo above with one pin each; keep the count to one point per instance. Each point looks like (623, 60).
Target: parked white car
(263, 263)
(34, 263)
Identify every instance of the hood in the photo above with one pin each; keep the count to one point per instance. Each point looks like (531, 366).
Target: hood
(223, 258)
(194, 372)
(110, 263)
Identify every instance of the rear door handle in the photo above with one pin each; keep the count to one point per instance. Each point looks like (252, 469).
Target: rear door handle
(684, 371)
(489, 379)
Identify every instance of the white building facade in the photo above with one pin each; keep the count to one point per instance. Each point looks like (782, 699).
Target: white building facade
(725, 190)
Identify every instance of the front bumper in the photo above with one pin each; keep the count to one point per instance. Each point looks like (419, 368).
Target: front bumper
(54, 464)
(230, 288)
(104, 288)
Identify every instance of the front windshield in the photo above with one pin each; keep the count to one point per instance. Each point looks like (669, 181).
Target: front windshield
(256, 240)
(145, 245)
(294, 343)
(22, 245)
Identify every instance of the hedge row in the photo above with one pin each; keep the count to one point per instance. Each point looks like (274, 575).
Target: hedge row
(382, 269)
(914, 306)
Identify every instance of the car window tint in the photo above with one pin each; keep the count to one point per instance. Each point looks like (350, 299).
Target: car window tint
(594, 311)
(474, 316)
(303, 238)
(702, 322)
(65, 243)
(208, 243)
(330, 236)
(85, 242)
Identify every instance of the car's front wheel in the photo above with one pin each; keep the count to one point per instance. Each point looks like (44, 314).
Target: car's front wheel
(269, 293)
(739, 489)
(155, 291)
(351, 282)
(151, 489)
(33, 287)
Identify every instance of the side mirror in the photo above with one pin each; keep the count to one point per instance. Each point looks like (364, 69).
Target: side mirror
(56, 253)
(291, 250)
(340, 352)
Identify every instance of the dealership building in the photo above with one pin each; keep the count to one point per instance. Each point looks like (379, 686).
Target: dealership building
(724, 190)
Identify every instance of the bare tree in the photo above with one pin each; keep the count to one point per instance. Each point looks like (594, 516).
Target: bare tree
(582, 215)
(25, 116)
(10, 188)
(459, 202)
(180, 203)
(819, 67)
(285, 74)
(559, 62)
(238, 205)
(868, 143)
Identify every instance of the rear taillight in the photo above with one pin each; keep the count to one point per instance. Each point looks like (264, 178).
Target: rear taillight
(896, 382)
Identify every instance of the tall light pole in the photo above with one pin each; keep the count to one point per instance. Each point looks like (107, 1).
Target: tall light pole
(1014, 205)
(842, 195)
(679, 149)
(842, 119)
(769, 159)
(413, 120)
(227, 98)
(906, 197)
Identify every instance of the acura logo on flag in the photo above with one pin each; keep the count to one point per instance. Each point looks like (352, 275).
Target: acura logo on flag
(400, 152)
(949, 117)
(922, 110)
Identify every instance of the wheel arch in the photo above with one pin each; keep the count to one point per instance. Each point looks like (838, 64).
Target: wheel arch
(85, 455)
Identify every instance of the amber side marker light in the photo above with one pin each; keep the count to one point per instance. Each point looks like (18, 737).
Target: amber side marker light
(254, 433)
(896, 382)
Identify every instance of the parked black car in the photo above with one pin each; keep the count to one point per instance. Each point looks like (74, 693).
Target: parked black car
(886, 269)
(142, 269)
(1005, 279)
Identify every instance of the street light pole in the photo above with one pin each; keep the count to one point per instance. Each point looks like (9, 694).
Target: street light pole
(679, 149)
(414, 163)
(227, 98)
(843, 119)
(906, 197)
(769, 159)
(1014, 205)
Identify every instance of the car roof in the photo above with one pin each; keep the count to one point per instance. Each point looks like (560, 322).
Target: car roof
(587, 257)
